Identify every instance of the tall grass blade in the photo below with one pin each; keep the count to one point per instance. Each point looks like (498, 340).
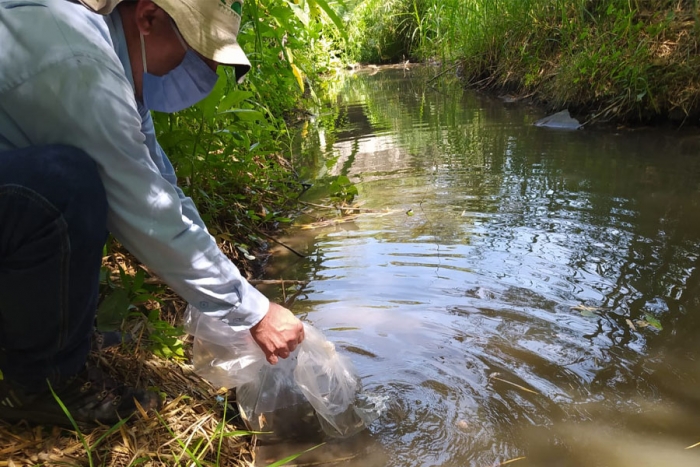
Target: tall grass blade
(110, 431)
(332, 15)
(73, 423)
(184, 447)
(294, 456)
(88, 449)
(220, 431)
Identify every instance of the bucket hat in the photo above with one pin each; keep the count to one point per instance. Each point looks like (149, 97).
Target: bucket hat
(208, 26)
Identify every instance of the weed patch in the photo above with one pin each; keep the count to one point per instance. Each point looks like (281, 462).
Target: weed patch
(613, 60)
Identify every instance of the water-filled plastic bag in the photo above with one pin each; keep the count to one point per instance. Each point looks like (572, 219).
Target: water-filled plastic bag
(314, 391)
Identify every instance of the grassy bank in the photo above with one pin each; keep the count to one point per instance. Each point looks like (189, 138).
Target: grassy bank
(607, 60)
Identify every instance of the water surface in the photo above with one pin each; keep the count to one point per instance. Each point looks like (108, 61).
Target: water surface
(503, 303)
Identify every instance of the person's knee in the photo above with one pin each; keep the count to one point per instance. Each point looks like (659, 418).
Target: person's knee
(65, 177)
(74, 170)
(74, 165)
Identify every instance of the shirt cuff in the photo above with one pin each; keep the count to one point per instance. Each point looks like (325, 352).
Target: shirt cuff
(250, 310)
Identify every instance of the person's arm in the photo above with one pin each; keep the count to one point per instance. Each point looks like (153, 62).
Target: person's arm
(279, 332)
(90, 105)
(165, 167)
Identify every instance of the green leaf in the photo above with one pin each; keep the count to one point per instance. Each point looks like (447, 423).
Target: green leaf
(245, 114)
(298, 75)
(209, 103)
(113, 310)
(124, 278)
(138, 279)
(104, 272)
(299, 12)
(154, 315)
(653, 322)
(282, 16)
(332, 15)
(144, 297)
(232, 98)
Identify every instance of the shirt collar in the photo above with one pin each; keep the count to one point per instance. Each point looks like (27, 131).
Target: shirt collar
(116, 30)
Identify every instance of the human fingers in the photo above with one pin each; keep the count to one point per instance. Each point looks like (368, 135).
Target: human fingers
(272, 359)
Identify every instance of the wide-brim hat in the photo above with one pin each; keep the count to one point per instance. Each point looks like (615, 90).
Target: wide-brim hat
(208, 26)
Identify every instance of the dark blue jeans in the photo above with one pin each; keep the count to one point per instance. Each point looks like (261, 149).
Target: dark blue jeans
(53, 215)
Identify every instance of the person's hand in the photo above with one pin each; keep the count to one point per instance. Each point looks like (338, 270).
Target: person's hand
(278, 333)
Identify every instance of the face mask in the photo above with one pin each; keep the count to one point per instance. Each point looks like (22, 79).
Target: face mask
(188, 83)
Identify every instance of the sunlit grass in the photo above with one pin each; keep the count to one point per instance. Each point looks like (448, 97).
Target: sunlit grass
(194, 427)
(611, 59)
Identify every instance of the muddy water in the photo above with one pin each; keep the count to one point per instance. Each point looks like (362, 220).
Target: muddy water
(529, 295)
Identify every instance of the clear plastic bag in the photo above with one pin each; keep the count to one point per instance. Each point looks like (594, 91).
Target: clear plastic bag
(222, 356)
(316, 390)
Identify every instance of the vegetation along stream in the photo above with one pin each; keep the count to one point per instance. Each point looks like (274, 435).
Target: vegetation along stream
(522, 295)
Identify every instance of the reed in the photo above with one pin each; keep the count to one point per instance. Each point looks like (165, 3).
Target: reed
(610, 59)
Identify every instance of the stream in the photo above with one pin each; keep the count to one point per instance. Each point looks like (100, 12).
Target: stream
(523, 296)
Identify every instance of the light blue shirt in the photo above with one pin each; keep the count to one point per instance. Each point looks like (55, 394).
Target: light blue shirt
(65, 78)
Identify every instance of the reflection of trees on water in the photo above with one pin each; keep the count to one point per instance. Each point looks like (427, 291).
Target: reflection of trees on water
(533, 222)
(621, 223)
(627, 224)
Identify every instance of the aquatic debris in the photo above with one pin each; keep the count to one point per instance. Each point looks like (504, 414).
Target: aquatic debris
(649, 320)
(409, 212)
(509, 99)
(587, 311)
(495, 376)
(561, 120)
(509, 461)
(693, 446)
(347, 218)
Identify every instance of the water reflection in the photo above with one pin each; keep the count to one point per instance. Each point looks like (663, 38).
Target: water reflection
(505, 317)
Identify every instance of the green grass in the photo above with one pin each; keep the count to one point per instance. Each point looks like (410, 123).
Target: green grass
(634, 60)
(195, 448)
(89, 448)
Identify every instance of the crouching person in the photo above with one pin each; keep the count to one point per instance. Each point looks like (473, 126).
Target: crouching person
(79, 159)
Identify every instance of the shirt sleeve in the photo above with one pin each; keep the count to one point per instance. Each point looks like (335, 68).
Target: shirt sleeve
(165, 167)
(90, 105)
